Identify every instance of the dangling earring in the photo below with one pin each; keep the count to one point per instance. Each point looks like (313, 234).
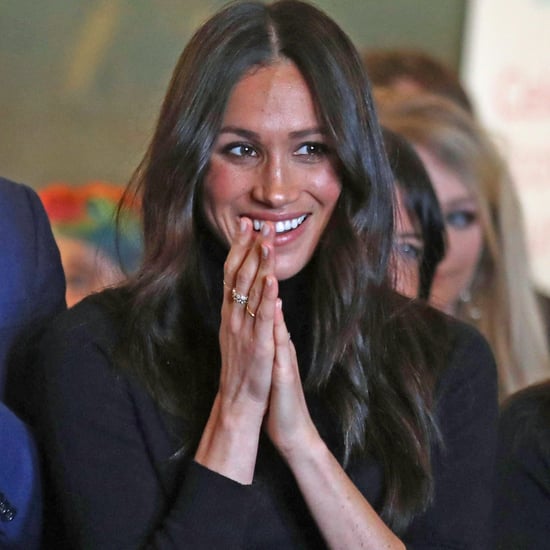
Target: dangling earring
(473, 311)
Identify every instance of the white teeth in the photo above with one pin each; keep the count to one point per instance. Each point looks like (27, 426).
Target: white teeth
(281, 226)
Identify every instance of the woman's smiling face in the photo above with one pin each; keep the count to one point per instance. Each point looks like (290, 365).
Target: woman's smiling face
(272, 162)
(464, 234)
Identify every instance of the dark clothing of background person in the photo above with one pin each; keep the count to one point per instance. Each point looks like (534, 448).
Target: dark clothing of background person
(522, 497)
(112, 450)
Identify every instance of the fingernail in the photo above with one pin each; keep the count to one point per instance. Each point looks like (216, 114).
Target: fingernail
(279, 304)
(242, 225)
(265, 229)
(265, 251)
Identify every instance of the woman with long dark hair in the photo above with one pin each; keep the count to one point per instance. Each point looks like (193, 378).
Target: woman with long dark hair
(419, 229)
(257, 383)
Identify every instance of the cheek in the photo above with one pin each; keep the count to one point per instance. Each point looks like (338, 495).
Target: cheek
(407, 280)
(464, 246)
(222, 187)
(334, 194)
(327, 190)
(217, 187)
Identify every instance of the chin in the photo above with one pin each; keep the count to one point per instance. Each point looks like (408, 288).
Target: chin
(287, 271)
(284, 275)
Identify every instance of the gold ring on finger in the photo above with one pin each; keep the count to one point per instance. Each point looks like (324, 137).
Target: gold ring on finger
(250, 312)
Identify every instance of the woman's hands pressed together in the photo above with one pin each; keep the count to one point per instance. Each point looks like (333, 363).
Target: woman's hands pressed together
(259, 377)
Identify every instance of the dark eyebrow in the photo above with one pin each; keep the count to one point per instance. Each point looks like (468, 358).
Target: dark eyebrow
(409, 235)
(308, 132)
(249, 134)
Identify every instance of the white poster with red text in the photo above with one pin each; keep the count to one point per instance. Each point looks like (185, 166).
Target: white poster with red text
(506, 69)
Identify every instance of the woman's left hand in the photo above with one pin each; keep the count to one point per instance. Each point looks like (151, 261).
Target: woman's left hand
(288, 422)
(344, 516)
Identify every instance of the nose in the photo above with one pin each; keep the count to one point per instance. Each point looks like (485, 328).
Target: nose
(277, 184)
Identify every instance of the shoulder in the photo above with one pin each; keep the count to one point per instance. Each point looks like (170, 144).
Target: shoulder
(454, 351)
(457, 350)
(32, 275)
(467, 390)
(32, 289)
(466, 368)
(15, 193)
(469, 357)
(88, 324)
(83, 341)
(525, 419)
(17, 226)
(76, 358)
(20, 207)
(458, 358)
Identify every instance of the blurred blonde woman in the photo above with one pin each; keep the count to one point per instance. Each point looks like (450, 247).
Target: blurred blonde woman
(484, 278)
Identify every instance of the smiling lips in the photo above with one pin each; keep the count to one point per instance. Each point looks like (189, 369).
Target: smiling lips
(281, 226)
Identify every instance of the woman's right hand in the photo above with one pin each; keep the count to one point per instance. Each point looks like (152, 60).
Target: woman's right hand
(230, 440)
(246, 333)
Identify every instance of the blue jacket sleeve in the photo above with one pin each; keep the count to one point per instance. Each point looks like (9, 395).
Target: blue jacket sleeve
(20, 485)
(33, 284)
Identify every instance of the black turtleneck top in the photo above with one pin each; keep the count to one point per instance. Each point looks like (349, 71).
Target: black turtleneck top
(114, 479)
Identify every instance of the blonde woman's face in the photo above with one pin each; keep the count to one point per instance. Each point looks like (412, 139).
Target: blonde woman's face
(464, 234)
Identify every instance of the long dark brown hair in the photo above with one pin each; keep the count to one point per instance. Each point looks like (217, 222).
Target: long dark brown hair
(368, 363)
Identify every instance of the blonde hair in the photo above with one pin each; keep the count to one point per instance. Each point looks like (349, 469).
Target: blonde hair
(502, 289)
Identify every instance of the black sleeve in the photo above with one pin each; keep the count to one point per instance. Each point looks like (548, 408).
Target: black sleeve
(463, 464)
(102, 442)
(522, 494)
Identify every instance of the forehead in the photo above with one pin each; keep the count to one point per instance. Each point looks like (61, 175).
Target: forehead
(448, 184)
(403, 221)
(270, 96)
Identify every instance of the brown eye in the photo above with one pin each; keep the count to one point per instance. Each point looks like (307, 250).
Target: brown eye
(312, 149)
(240, 150)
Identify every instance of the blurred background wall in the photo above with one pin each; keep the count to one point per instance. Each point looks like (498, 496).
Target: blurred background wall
(82, 80)
(506, 67)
